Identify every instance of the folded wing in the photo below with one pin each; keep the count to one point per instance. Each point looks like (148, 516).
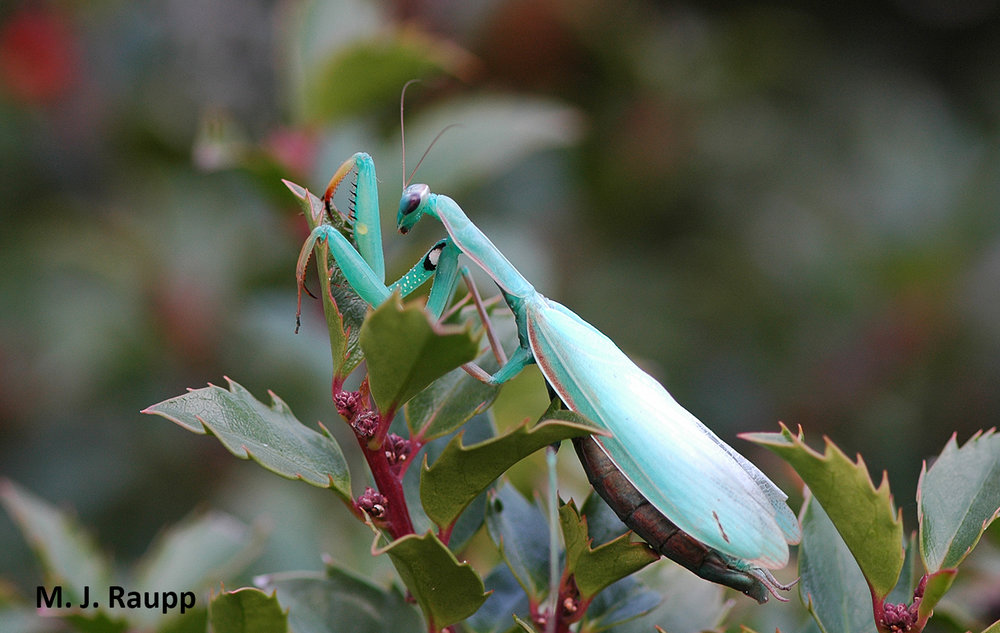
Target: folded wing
(694, 478)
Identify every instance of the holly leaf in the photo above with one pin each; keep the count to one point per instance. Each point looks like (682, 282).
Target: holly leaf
(864, 516)
(913, 570)
(336, 600)
(69, 556)
(603, 524)
(506, 598)
(524, 625)
(446, 590)
(957, 499)
(406, 351)
(462, 472)
(270, 435)
(831, 584)
(375, 68)
(938, 584)
(450, 401)
(678, 590)
(521, 533)
(622, 601)
(596, 568)
(198, 550)
(194, 554)
(247, 610)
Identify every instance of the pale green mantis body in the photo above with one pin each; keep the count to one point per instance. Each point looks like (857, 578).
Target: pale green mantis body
(687, 473)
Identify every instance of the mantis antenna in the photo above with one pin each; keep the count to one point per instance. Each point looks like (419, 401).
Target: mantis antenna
(402, 132)
(402, 136)
(428, 151)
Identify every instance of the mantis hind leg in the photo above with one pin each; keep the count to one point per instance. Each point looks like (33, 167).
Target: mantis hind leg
(491, 334)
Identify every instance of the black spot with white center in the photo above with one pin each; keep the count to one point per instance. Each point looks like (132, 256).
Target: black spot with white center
(433, 255)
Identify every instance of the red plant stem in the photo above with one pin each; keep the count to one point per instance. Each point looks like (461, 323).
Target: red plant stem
(388, 481)
(337, 385)
(397, 519)
(570, 608)
(383, 428)
(444, 534)
(897, 617)
(878, 609)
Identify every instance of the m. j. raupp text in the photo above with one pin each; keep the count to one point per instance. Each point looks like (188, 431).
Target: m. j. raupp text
(118, 598)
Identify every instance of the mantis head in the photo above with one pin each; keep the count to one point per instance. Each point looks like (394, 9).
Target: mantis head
(412, 205)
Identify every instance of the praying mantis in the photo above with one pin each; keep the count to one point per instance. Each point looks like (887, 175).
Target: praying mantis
(670, 478)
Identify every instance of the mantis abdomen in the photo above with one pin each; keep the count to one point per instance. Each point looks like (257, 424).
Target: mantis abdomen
(661, 534)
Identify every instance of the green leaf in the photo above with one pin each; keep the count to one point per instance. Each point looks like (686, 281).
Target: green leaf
(469, 522)
(194, 554)
(957, 499)
(461, 472)
(689, 603)
(993, 628)
(247, 610)
(406, 351)
(831, 584)
(450, 401)
(524, 625)
(335, 600)
(938, 584)
(865, 516)
(913, 570)
(374, 69)
(498, 133)
(270, 435)
(594, 569)
(521, 533)
(198, 552)
(68, 555)
(506, 598)
(603, 524)
(622, 601)
(345, 311)
(193, 621)
(446, 590)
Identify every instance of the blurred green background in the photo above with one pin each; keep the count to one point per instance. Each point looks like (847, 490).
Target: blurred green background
(785, 211)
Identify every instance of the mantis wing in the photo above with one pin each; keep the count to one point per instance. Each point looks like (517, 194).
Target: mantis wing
(690, 475)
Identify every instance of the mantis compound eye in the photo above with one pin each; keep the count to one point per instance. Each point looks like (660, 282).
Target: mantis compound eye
(410, 204)
(413, 197)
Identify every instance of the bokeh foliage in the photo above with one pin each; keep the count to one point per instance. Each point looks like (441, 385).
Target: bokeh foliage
(791, 208)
